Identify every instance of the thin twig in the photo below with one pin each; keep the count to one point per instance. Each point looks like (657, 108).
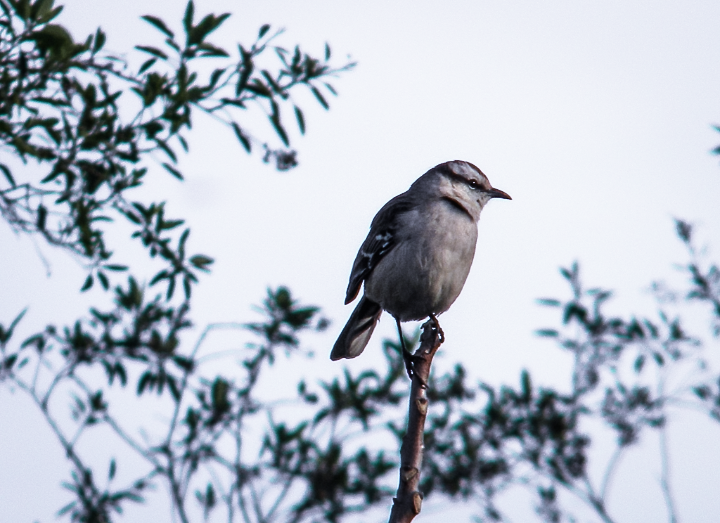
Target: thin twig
(58, 377)
(665, 476)
(281, 497)
(175, 490)
(132, 443)
(238, 472)
(36, 374)
(67, 446)
(588, 497)
(257, 506)
(186, 373)
(610, 470)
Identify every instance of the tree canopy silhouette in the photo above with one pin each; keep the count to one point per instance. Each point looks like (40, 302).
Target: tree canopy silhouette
(81, 129)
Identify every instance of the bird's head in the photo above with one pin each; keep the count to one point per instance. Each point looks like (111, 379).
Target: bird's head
(464, 185)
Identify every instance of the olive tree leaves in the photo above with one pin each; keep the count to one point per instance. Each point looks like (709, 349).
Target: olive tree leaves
(60, 114)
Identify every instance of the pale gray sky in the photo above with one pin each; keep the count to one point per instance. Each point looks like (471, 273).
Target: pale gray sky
(595, 116)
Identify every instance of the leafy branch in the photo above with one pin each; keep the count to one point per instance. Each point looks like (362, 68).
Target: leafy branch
(60, 115)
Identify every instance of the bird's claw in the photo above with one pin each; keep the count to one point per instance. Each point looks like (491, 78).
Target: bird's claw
(441, 334)
(410, 360)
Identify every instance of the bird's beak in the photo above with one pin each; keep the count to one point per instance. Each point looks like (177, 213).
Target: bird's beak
(497, 193)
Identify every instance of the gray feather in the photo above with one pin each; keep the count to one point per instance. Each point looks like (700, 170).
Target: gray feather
(356, 334)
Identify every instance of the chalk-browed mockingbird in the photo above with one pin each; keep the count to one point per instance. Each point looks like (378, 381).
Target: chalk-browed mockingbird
(418, 253)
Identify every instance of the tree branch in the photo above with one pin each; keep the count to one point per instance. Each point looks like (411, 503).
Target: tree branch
(408, 502)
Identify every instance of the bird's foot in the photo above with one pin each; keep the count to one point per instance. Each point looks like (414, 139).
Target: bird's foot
(441, 334)
(410, 360)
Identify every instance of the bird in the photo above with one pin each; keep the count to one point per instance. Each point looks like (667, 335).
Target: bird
(417, 255)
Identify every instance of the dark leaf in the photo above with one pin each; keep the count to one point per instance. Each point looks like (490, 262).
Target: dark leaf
(8, 175)
(201, 262)
(6, 334)
(320, 97)
(172, 385)
(88, 283)
(188, 18)
(158, 24)
(547, 333)
(214, 77)
(703, 392)
(99, 40)
(549, 302)
(684, 230)
(41, 217)
(116, 268)
(275, 120)
(206, 26)
(170, 224)
(147, 65)
(53, 38)
(9, 361)
(300, 119)
(103, 280)
(259, 88)
(147, 379)
(49, 15)
(165, 147)
(172, 170)
(152, 50)
(639, 363)
(241, 137)
(184, 363)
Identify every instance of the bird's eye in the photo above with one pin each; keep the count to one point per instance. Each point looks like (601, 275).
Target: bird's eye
(474, 185)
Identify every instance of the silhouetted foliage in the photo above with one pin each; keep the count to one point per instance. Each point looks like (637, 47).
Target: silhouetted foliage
(224, 450)
(60, 114)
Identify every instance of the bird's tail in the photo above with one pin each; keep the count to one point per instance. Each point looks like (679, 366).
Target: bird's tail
(356, 334)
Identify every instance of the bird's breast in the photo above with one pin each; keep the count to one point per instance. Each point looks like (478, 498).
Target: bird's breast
(427, 269)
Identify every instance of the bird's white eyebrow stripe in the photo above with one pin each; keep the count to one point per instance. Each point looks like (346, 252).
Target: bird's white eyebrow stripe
(462, 179)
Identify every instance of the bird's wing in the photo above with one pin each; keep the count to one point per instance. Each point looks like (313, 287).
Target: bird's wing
(380, 240)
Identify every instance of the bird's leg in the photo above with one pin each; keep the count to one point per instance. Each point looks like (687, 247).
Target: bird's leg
(441, 334)
(406, 354)
(409, 358)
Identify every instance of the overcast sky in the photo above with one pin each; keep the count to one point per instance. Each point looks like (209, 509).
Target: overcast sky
(595, 116)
